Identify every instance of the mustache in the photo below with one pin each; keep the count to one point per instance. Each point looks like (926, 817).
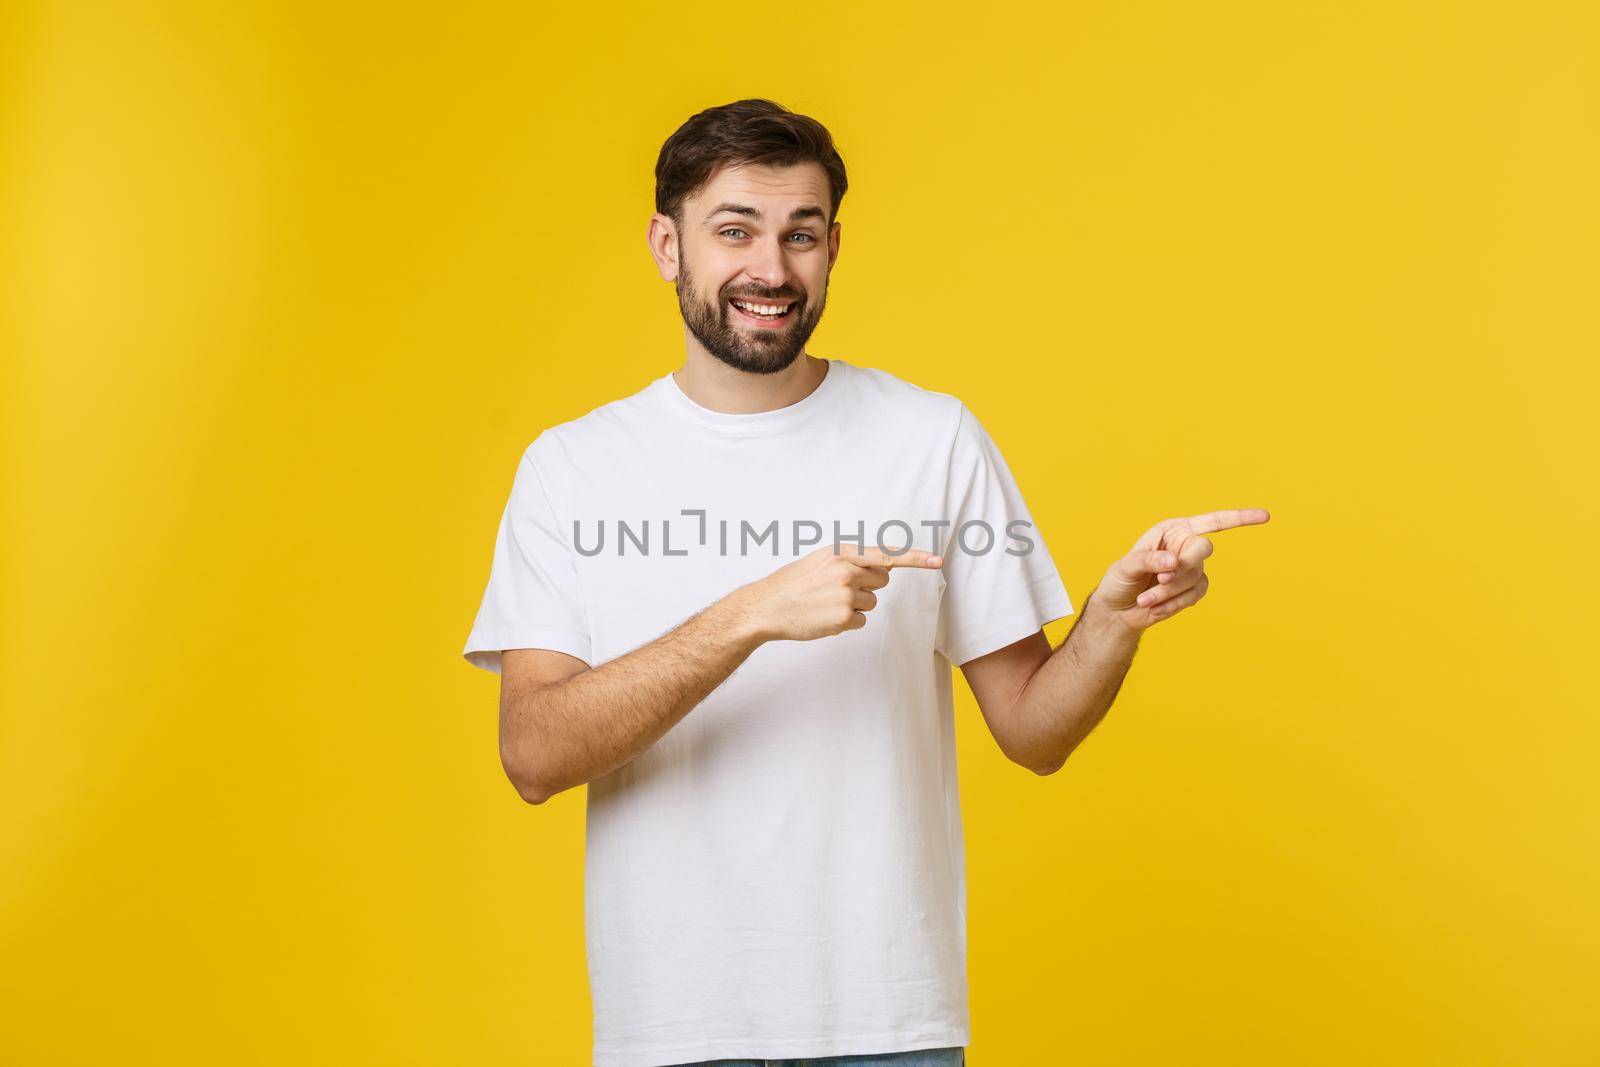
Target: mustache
(765, 296)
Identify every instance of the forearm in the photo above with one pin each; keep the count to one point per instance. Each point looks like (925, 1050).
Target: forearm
(586, 726)
(1071, 692)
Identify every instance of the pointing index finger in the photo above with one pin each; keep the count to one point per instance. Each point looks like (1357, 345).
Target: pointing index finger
(877, 557)
(1227, 519)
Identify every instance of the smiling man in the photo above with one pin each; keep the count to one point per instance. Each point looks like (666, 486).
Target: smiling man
(774, 865)
(760, 328)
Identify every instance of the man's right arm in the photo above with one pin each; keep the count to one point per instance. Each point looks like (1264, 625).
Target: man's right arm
(562, 725)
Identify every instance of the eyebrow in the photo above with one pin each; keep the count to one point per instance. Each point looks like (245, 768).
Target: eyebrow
(810, 211)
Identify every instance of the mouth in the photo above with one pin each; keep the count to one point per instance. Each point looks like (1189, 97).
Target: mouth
(764, 314)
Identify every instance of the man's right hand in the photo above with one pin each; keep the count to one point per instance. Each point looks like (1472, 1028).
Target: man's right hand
(562, 726)
(823, 593)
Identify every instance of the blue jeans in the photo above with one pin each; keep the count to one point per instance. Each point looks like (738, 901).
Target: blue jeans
(922, 1057)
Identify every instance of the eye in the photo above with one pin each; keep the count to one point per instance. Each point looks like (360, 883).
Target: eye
(807, 236)
(730, 229)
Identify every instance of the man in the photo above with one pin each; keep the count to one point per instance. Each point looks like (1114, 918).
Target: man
(705, 604)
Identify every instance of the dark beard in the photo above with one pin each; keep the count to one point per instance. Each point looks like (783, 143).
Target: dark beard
(766, 352)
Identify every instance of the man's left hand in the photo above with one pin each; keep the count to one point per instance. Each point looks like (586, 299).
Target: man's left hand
(1164, 572)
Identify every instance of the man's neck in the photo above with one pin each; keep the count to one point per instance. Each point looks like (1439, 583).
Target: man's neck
(716, 386)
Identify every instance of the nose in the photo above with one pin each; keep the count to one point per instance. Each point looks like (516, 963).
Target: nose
(767, 265)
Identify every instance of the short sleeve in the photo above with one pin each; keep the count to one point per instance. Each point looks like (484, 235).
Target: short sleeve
(1001, 583)
(533, 599)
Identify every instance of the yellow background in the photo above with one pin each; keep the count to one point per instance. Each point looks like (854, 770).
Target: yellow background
(286, 291)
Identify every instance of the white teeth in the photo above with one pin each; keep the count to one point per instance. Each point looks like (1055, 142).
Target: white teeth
(761, 309)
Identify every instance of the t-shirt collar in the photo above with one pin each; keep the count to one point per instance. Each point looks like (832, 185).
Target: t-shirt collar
(757, 422)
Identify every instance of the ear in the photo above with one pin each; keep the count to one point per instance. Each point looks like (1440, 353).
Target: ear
(663, 241)
(833, 244)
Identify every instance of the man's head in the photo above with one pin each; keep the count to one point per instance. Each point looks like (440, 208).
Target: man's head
(747, 198)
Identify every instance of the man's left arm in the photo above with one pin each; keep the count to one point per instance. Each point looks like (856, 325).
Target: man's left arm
(1040, 704)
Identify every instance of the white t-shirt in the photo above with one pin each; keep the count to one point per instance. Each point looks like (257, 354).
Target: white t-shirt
(782, 875)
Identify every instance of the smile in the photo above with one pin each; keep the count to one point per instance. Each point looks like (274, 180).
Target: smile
(764, 314)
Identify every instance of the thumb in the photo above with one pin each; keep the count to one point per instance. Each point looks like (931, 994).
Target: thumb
(1132, 575)
(1136, 569)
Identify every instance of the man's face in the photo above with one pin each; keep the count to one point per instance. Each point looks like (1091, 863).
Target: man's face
(754, 239)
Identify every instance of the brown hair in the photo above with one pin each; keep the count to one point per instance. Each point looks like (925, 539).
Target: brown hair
(745, 131)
